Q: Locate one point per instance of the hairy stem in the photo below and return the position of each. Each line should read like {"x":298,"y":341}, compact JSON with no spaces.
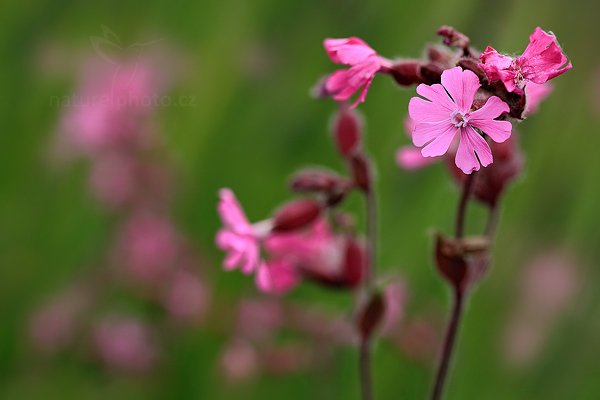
{"x":366,"y":385}
{"x":449,"y":344}
{"x":461,"y":213}
{"x":492,"y":222}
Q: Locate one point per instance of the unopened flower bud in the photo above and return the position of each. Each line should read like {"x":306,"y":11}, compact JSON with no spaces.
{"x":454,"y":38}
{"x":440,"y":55}
{"x":431,"y":73}
{"x":370,"y":315}
{"x":354,"y":268}
{"x":333,"y":186}
{"x":296,"y":215}
{"x":347,"y":128}
{"x":462,"y":262}
{"x":407,"y":72}
{"x":474,"y":66}
{"x":361,"y":172}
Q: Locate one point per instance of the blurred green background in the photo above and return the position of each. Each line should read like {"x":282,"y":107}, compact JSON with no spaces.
{"x":250,"y":65}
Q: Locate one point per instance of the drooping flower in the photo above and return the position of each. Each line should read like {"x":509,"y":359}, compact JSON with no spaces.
{"x":364,"y":64}
{"x":237,"y":237}
{"x":277,"y":277}
{"x":448,"y":113}
{"x":541,"y":61}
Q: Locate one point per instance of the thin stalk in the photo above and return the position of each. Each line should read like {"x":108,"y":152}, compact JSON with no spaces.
{"x":449,"y":344}
{"x":368,"y":282}
{"x":492,"y":222}
{"x":461,"y":213}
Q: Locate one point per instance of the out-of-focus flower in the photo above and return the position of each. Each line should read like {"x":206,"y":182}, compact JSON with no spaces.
{"x":53,"y":327}
{"x":448,"y":113}
{"x":125,"y":344}
{"x":237,"y":237}
{"x":548,"y":287}
{"x":364,"y":64}
{"x":396,"y":297}
{"x":186,"y":297}
{"x":148,"y":246}
{"x":534,"y":95}
{"x":410,"y":157}
{"x":240,"y":361}
{"x":108,"y":112}
{"x":541,"y":61}
{"x":277,"y":277}
{"x":258,"y":319}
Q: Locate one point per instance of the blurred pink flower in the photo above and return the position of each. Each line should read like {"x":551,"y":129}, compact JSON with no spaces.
{"x":277,"y":277}
{"x":534,"y":95}
{"x":410,"y":157}
{"x":541,"y":61}
{"x":148,"y":246}
{"x":53,"y":327}
{"x":125,"y":344}
{"x":396,"y":297}
{"x":259,"y":319}
{"x":549,"y":284}
{"x":448,"y":113}
{"x":237,"y":237}
{"x":113,"y":180}
{"x":108,"y":111}
{"x":240,"y":361}
{"x":186,"y":297}
{"x":364,"y":64}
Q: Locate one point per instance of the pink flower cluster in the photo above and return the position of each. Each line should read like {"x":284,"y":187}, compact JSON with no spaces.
{"x":130,"y":177}
{"x":312,"y":252}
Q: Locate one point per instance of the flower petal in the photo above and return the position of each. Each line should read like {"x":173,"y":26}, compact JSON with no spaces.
{"x":425,"y":111}
{"x":439,"y":146}
{"x":410,"y":158}
{"x":483,"y":119}
{"x":438,"y":95}
{"x":461,"y":85}
{"x":425,"y":132}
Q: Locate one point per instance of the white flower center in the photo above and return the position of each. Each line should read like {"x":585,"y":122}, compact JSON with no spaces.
{"x":459,"y":119}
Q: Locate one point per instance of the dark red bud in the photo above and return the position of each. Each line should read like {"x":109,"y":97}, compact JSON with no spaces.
{"x":431,"y":73}
{"x":407,"y":72}
{"x":296,"y":215}
{"x":334,"y":187}
{"x":347,"y":128}
{"x":354,"y":268}
{"x":370,"y":315}
{"x":461,"y":261}
{"x":454,"y":38}
{"x":439,"y":55}
{"x":474,"y":66}
{"x":361,"y":172}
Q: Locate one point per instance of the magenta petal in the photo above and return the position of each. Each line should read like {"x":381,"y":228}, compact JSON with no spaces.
{"x":348,"y":51}
{"x":483,"y":119}
{"x":426,"y":132}
{"x":438,"y":95}
{"x":425,"y":111}
{"x":465,"y":156}
{"x":276,"y":277}
{"x":439,"y":146}
{"x":480,"y":146}
{"x":461,"y":85}
{"x":410,"y":158}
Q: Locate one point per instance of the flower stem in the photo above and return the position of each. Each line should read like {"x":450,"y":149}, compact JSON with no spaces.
{"x":492,"y":222}
{"x":449,"y":344}
{"x":462,"y":205}
{"x":366,"y":385}
{"x":368,"y":282}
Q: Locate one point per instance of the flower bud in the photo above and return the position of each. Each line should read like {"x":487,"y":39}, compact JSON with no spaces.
{"x":440,"y":55}
{"x":370,"y":315}
{"x":473,"y":66}
{"x":361,"y":172}
{"x":333,"y":186}
{"x":407,"y":72}
{"x":354,"y":268}
{"x":347,"y":129}
{"x":431,"y":73}
{"x":296,"y":215}
{"x":462,"y":262}
{"x":454,"y":38}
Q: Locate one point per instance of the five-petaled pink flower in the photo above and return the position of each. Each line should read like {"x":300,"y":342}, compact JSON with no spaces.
{"x":541,"y":61}
{"x":364,"y":64}
{"x":448,"y":113}
{"x":237,"y":237}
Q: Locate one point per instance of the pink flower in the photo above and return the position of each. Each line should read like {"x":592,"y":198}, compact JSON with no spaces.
{"x":237,"y":237}
{"x":277,"y":277}
{"x":409,"y":157}
{"x":448,"y":113}
{"x":534,"y":95}
{"x":541,"y":61}
{"x":364,"y":64}
{"x":126,"y":344}
{"x":186,"y":298}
